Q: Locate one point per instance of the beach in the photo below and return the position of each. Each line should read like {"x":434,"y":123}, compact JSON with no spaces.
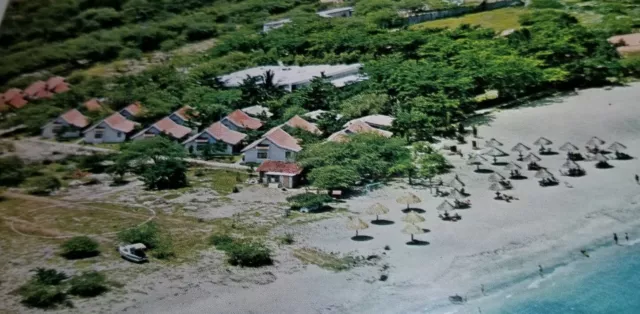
{"x":495,"y":244}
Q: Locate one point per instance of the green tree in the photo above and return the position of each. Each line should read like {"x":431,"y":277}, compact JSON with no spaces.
{"x":333,"y":177}
{"x":11,"y":171}
{"x":158,"y":161}
{"x":364,"y":104}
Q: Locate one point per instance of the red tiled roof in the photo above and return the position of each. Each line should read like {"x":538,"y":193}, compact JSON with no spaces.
{"x":93,"y":104}
{"x":43,"y":94}
{"x":118,"y":122}
{"x":35,"y":88}
{"x":241,"y":119}
{"x":75,"y":118}
{"x":278,"y":137}
{"x":16,"y":102}
{"x":134,"y":109}
{"x":183,"y":113}
{"x":54,"y":81}
{"x":12,"y":92}
{"x":61,"y":88}
{"x":168,"y":126}
{"x":298,"y":122}
{"x":220,"y":132}
{"x":280,"y":167}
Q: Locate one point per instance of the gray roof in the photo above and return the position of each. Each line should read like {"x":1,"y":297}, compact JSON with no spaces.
{"x":289,"y":75}
{"x":336,"y":10}
{"x":278,"y":22}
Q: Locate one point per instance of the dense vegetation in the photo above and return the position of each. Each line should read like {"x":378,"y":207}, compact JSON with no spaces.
{"x":49,"y":288}
{"x":80,"y":247}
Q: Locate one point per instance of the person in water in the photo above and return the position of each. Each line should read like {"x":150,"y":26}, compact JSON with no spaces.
{"x":584,"y":252}
{"x":615,"y":237}
{"x":626,"y":236}
{"x":540,"y":271}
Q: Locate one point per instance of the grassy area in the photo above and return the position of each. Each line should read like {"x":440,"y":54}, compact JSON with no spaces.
{"x":324,"y":260}
{"x":499,"y":20}
{"x":220,"y":180}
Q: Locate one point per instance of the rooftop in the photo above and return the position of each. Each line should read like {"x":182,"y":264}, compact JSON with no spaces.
{"x":134,"y":109}
{"x":92,"y":104}
{"x":374,"y":120}
{"x":278,"y":137}
{"x":120,"y":123}
{"x":278,"y":22}
{"x":335,"y":10}
{"x":75,"y":118}
{"x":243,"y":120}
{"x":258,"y":110}
{"x":221,"y":133}
{"x":298,"y":122}
{"x":279,"y":167}
{"x":290,"y":75}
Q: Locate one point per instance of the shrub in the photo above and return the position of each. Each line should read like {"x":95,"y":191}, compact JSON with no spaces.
{"x":43,"y":185}
{"x":309,"y":200}
{"x":221,"y":241}
{"x":287,"y":238}
{"x":88,"y":284}
{"x":164,"y":250}
{"x":11,"y":171}
{"x":80,"y":247}
{"x":546,"y":4}
{"x":248,"y":254}
{"x":47,"y":276}
{"x":41,"y":296}
{"x":146,"y":234}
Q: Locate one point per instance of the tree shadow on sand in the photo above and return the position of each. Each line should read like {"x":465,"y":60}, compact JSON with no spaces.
{"x":382,"y":222}
{"x":412,"y":209}
{"x":362,"y":238}
{"x":418,"y":243}
{"x":482,"y":170}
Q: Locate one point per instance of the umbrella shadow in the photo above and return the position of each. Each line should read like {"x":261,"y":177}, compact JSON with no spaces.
{"x":518,"y":177}
{"x":418,"y":243}
{"x":425,"y":230}
{"x":412,"y":209}
{"x":624,"y":157}
{"x":548,"y":153}
{"x":500,"y":163}
{"x":604,"y":166}
{"x":382,"y":222}
{"x":362,"y":238}
{"x":482,"y":170}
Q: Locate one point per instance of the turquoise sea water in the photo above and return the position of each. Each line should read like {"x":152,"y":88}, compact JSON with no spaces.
{"x":608,"y":282}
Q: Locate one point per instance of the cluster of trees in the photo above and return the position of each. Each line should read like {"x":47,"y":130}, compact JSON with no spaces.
{"x":49,"y":288}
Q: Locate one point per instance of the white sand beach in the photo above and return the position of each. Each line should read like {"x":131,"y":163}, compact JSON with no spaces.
{"x":494,"y":242}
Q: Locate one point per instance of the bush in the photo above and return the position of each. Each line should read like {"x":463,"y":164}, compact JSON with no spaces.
{"x":221,"y":242}
{"x":164,"y":250}
{"x":309,"y":200}
{"x":146,"y":234}
{"x":88,"y":284}
{"x":47,"y":276}
{"x":80,"y":247}
{"x":546,"y":4}
{"x":287,"y":238}
{"x":41,"y":296}
{"x":11,"y":171}
{"x":248,"y":254}
{"x":43,"y":185}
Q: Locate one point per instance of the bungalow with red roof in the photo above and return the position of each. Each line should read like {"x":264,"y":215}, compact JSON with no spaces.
{"x":241,"y":121}
{"x":68,"y":125}
{"x":300,"y":123}
{"x":113,"y":129}
{"x":13,"y":98}
{"x":131,"y":111}
{"x":182,"y":115}
{"x":56,"y":84}
{"x":165,"y":126}
{"x":274,"y":145}
{"x":356,"y":126}
{"x":92,"y":105}
{"x":37,"y":90}
{"x":216,"y":133}
{"x":287,"y":174}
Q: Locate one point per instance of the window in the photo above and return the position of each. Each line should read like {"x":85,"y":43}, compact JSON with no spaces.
{"x":289,"y":155}
{"x":98,"y":134}
{"x":119,"y":134}
{"x":262,"y":155}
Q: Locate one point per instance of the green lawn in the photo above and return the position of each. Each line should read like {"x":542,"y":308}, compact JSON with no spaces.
{"x":499,"y":20}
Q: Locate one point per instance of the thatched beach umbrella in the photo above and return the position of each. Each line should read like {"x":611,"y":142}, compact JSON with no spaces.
{"x":456,"y":183}
{"x":455,"y":194}
{"x":408,"y":199}
{"x":542,"y":141}
{"x":511,"y":166}
{"x":412,"y":229}
{"x":543,"y":174}
{"x":497,"y":187}
{"x":476,"y":160}
{"x":531,"y":158}
{"x":445,"y":206}
{"x":377,"y":209}
{"x":601,"y":158}
{"x":595,"y":142}
{"x":616,"y":147}
{"x":413,"y":218}
{"x":570,"y":164}
{"x":568,"y":147}
{"x":492,"y":143}
{"x":521,"y":149}
{"x":355,"y":223}
{"x":495,"y":152}
{"x":496,"y":177}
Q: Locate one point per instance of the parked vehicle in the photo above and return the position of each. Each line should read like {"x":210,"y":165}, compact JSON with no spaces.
{"x":133,"y":252}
